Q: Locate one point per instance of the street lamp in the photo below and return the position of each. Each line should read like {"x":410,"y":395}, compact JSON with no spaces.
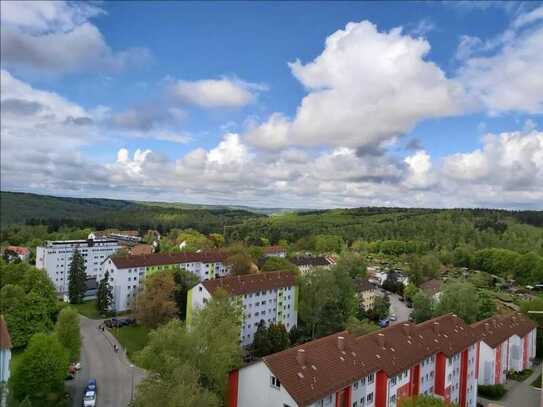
{"x":132,"y":383}
{"x":540,"y":391}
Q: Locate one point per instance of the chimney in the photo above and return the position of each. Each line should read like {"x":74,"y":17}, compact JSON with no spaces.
{"x":381,"y":340}
{"x":341,"y":343}
{"x":406,"y":329}
{"x":300,"y":357}
{"x":487,"y":326}
{"x":436,"y":328}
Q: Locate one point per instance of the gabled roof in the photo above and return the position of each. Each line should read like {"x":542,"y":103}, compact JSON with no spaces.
{"x":331,"y":363}
{"x":250,"y":283}
{"x":431,"y":287}
{"x":5,"y":339}
{"x":498,"y":328}
{"x":363,"y":284}
{"x":163,"y":259}
{"x":20,"y":250}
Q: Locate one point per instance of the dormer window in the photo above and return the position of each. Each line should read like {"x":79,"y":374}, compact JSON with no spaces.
{"x":275,"y":383}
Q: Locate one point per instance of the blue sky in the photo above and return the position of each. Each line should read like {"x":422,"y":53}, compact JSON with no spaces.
{"x":205,"y":102}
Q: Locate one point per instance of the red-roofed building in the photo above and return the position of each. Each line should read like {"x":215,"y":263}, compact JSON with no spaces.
{"x":508,"y":342}
{"x":20,"y":252}
{"x":438,"y":357}
{"x":271,"y":297}
{"x":275,"y":251}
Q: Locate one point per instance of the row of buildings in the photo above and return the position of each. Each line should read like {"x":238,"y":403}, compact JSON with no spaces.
{"x":442,"y":357}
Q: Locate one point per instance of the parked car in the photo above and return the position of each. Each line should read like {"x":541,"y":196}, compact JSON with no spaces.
{"x":89,"y":399}
{"x":384,"y":323}
{"x":91,"y":385}
{"x":113,"y":323}
{"x":392,"y":317}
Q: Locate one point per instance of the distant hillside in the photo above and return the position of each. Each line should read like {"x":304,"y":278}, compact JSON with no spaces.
{"x":25,"y":208}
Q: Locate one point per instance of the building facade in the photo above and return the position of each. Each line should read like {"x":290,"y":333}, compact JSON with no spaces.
{"x":275,"y":251}
{"x":127,"y":273}
{"x":437,"y":357}
{"x":271,"y":297}
{"x":366,"y":293}
{"x":307,"y":264}
{"x":55,"y":258}
{"x":508,"y":342}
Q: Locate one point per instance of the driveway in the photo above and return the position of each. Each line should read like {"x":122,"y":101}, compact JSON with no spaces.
{"x":520,"y":394}
{"x":115,"y":378}
{"x":398,"y":308}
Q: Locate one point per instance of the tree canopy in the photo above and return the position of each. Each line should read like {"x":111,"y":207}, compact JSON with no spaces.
{"x":155,"y":304}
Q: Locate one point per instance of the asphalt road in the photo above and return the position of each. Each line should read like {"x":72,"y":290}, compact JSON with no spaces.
{"x":115,"y":379}
{"x":398,"y":308}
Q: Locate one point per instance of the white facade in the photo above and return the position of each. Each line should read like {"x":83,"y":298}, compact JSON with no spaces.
{"x":452,"y":377}
{"x":56,"y":256}
{"x":271,"y":306}
{"x":363,"y":392}
{"x":471,"y":381}
{"x":126,"y":282}
{"x":427,"y":375}
{"x":259,"y":387}
{"x":5,"y":360}
{"x":394,"y":384}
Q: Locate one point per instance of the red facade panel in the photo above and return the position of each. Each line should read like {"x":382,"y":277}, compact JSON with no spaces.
{"x":441,"y":364}
{"x":498,"y":364}
{"x":381,"y":385}
{"x":525,"y":352}
{"x":233,"y":380}
{"x":414,"y":379}
{"x":463,"y":378}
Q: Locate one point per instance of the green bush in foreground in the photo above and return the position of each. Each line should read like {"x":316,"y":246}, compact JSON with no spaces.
{"x":494,"y":391}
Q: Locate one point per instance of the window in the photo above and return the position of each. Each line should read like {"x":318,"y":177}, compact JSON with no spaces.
{"x":355,"y":404}
{"x":275,"y":383}
{"x":369,"y":398}
{"x":355,"y":386}
{"x":370,"y":378}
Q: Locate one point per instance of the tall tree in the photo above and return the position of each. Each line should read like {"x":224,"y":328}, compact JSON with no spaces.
{"x":460,"y":298}
{"x":352,"y":263}
{"x":381,"y":308}
{"x":68,"y":333}
{"x":42,"y":369}
{"x":155,"y":304}
{"x":104,"y":295}
{"x":422,"y":307}
{"x":184,"y":281}
{"x":487,"y":305}
{"x":361,"y":327}
{"x":178,"y":389}
{"x":261,"y":345}
{"x":77,"y":278}
{"x":274,"y":263}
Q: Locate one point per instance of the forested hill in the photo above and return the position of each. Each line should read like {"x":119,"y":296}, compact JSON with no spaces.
{"x":32,"y":209}
{"x":430,"y":228}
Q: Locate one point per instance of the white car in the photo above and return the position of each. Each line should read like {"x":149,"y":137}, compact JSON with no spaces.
{"x":89,"y":399}
{"x":392,"y":317}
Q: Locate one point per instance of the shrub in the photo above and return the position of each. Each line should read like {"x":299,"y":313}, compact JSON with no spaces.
{"x":494,"y":392}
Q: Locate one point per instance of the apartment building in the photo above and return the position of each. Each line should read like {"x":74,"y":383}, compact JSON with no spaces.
{"x":307,"y":264}
{"x":126,"y":273}
{"x":366,"y":293}
{"x":55,"y":258}
{"x":437,"y":357}
{"x":508,"y":342}
{"x":271,"y":297}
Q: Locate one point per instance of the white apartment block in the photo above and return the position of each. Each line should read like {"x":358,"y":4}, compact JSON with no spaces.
{"x":127,"y":273}
{"x":270,"y":297}
{"x":55,"y":258}
{"x":507,"y":343}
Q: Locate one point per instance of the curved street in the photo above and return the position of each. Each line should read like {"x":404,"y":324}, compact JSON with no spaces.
{"x":116,"y":379}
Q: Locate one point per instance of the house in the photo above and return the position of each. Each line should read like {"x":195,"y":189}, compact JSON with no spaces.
{"x":140,"y":249}
{"x":126,"y":273}
{"x":271,"y":297}
{"x":5,"y":352}
{"x":55,"y":257}
{"x":432,"y":288}
{"x":508,"y":342}
{"x":366,"y":293}
{"x":12,"y":253}
{"x":437,"y":357}
{"x":309,"y":263}
{"x":275,"y":251}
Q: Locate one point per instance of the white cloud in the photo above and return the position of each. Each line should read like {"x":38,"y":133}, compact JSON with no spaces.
{"x":510,"y":79}
{"x":420,"y":173}
{"x":57,"y":38}
{"x":213,"y":93}
{"x":366,"y":88}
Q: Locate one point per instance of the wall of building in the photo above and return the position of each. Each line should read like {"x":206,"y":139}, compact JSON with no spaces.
{"x":255,"y":388}
{"x":427,"y":375}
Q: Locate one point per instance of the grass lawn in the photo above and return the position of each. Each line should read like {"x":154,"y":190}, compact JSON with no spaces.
{"x":537,"y":382}
{"x":87,"y":309}
{"x":132,"y":338}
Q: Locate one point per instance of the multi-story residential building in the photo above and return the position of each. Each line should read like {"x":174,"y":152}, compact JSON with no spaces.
{"x":366,"y":293}
{"x":275,"y":251}
{"x":507,"y":343}
{"x":271,"y":297}
{"x":56,"y":256}
{"x":309,"y":263}
{"x":126,"y":273}
{"x":438,"y":357}
{"x":5,"y":356}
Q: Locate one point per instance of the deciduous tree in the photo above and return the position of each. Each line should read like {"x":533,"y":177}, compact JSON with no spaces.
{"x":423,"y":307}
{"x":155,"y":304}
{"x":460,"y":298}
{"x":67,"y":331}
{"x":274,"y":263}
{"x":352,"y":263}
{"x":184,"y":281}
{"x":42,"y":369}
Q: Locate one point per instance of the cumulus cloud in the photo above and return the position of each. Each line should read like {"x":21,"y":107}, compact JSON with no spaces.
{"x":213,"y":93}
{"x":57,"y":38}
{"x":366,"y":87}
{"x":509,"y":79}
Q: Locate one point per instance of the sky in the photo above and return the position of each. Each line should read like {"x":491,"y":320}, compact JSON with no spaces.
{"x":275,"y":104}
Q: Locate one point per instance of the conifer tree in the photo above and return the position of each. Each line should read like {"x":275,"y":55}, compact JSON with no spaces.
{"x":104,"y":295}
{"x":78,"y":278}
